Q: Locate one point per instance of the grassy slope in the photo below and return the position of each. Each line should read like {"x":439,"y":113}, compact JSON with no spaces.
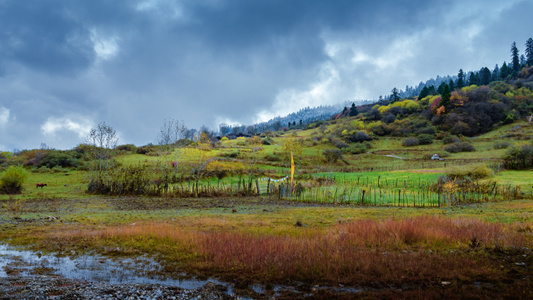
{"x":25,"y":218}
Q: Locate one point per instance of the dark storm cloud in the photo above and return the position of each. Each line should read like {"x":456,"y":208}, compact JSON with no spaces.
{"x":67,"y":65}
{"x":36,"y":35}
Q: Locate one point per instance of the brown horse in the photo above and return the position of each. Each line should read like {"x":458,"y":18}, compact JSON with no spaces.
{"x":40,"y":185}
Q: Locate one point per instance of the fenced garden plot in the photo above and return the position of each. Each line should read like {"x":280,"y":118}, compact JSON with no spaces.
{"x":398,"y":189}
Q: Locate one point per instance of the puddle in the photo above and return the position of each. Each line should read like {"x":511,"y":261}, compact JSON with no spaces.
{"x":92,"y":268}
{"x":97,"y":268}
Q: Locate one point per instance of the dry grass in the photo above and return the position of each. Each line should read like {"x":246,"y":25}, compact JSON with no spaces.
{"x":420,"y":250}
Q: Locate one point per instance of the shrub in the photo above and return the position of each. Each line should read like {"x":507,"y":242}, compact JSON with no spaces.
{"x":378,"y":128}
{"x":129,"y":180}
{"x":332,"y":155}
{"x":460,"y":147}
{"x":232,"y":154}
{"x":144,"y":150}
{"x":63,"y":159}
{"x":12,"y":180}
{"x":425,"y":139}
{"x":450,"y":140}
{"x":477,"y":171}
{"x":501,"y":145}
{"x":519,"y":157}
{"x":409,"y":142}
{"x":358,"y":148}
{"x":127,"y":147}
{"x":272,"y":157}
{"x":267,"y":141}
{"x":338,"y":143}
{"x":359,"y":137}
{"x":224,"y":138}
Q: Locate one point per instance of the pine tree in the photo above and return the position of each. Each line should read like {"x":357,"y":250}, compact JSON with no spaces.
{"x":445,"y":96}
{"x":504,"y":71}
{"x":440,"y":89}
{"x":395,"y":96}
{"x":353,"y":110}
{"x":515,"y":58}
{"x":461,"y":80}
{"x":452,"y":85}
{"x":484,"y":76}
{"x":423,"y":93}
{"x":529,"y":52}
{"x":495,"y":73}
{"x":473,"y":79}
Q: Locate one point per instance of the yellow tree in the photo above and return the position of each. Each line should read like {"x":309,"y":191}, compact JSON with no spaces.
{"x":255,"y":147}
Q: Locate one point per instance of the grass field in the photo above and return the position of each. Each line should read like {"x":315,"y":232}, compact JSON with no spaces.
{"x":476,"y":249}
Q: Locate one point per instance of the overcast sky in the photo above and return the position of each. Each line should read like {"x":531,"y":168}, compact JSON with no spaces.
{"x":67,"y":65}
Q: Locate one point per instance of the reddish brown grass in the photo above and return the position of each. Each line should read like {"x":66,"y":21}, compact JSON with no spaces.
{"x":421,"y":250}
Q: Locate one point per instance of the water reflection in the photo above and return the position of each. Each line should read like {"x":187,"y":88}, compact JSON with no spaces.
{"x":98,"y":268}
{"x":92,"y":268}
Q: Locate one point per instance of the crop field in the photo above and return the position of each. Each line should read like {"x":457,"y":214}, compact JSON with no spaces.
{"x":379,"y":224}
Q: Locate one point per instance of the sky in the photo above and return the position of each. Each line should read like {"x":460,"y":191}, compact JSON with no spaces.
{"x":68,"y":65}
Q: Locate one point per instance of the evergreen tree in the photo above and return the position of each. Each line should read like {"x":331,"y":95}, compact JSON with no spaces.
{"x":485,"y":76}
{"x":423,"y":93}
{"x":461,"y":80}
{"x":452,"y":85}
{"x":440,"y":89}
{"x":395,"y":96}
{"x":529,"y":52}
{"x":505,"y":71}
{"x":353,"y":110}
{"x":515,"y":58}
{"x":473,"y":79}
{"x":445,"y":96}
{"x":495,"y":73}
{"x":432,"y":90}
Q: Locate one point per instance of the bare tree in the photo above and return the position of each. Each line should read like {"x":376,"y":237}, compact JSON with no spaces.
{"x":168,"y":139}
{"x":102,"y":140}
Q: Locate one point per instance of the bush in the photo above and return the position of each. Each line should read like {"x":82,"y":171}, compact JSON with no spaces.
{"x":338,"y":143}
{"x":519,"y":157}
{"x":272,"y":157}
{"x":357,"y":148}
{"x":474,"y":172}
{"x":127,"y":147}
{"x":232,"y":154}
{"x":359,"y":137}
{"x":12,"y":180}
{"x":450,"y":140}
{"x":63,"y":159}
{"x":267,"y":141}
{"x":501,"y":145}
{"x":332,"y":155}
{"x":425,"y":139}
{"x":460,"y":147}
{"x":144,"y":150}
{"x":409,"y":142}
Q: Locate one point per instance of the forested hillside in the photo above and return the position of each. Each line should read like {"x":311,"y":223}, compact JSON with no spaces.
{"x":467,"y":105}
